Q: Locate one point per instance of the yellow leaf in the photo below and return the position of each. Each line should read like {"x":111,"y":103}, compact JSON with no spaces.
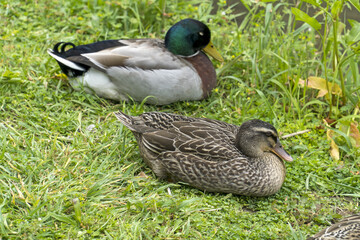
{"x":320,"y":84}
{"x":334,"y":149}
{"x":355,"y":134}
{"x":322,"y":93}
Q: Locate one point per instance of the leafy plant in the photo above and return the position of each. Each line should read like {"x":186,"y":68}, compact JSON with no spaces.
{"x":338,"y":77}
{"x":338,"y":46}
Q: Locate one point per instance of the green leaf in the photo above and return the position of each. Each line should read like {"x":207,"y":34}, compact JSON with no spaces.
{"x":188,"y":202}
{"x":63,"y":218}
{"x":356,"y":4}
{"x":336,"y":9}
{"x":312,"y":2}
{"x":354,"y":34}
{"x":162,"y":5}
{"x":77,"y":210}
{"x":302,"y":16}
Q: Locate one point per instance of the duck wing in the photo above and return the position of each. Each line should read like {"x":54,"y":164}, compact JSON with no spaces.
{"x":162,"y":120}
{"x":72,"y":62}
{"x":196,"y":138}
{"x":145,"y":54}
{"x":162,"y":132}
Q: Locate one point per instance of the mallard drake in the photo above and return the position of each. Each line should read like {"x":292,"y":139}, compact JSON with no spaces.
{"x":169,"y":71}
{"x":211,"y":155}
{"x":348,"y":228}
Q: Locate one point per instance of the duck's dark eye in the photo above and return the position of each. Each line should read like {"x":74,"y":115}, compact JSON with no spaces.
{"x":268,"y":134}
{"x":201,"y":33}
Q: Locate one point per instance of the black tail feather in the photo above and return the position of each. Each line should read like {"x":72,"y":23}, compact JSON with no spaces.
{"x":63,"y":46}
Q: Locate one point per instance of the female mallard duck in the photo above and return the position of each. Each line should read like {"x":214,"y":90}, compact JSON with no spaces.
{"x":348,"y":228}
{"x":211,"y":155}
{"x":170,"y":71}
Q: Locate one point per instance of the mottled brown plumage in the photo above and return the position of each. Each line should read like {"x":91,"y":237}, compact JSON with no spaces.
{"x":346,"y":229}
{"x":211,"y":155}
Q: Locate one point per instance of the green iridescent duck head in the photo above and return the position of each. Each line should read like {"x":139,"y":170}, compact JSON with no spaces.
{"x":189,"y":36}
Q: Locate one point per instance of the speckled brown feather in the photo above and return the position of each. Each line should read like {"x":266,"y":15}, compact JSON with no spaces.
{"x":346,"y":229}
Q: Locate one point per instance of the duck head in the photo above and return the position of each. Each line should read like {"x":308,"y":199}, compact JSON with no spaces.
{"x":189,"y":36}
{"x":256,"y":137}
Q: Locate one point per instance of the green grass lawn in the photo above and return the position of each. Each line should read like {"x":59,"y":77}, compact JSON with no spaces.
{"x":70,"y":170}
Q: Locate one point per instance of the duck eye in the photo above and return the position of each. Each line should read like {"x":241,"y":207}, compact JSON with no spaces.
{"x":268,"y":134}
{"x":201,"y":33}
{"x":271,"y":135}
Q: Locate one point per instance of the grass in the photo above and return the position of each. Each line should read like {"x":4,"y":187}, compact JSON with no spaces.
{"x":70,"y":170}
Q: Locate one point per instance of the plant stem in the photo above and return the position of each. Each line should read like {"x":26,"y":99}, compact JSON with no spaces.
{"x":325,"y":65}
{"x":336,"y":68}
